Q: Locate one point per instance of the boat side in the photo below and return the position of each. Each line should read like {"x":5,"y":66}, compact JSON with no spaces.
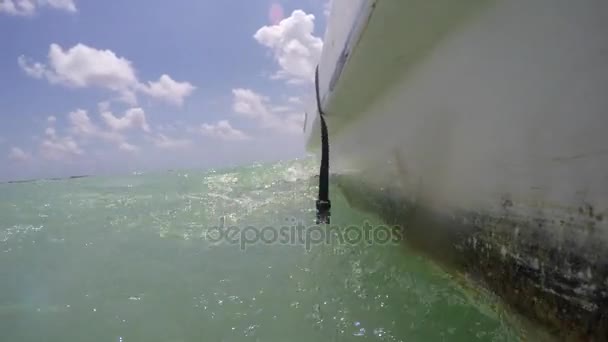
{"x":480,"y":126}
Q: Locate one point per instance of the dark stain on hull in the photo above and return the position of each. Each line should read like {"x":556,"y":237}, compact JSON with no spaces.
{"x":558,"y":283}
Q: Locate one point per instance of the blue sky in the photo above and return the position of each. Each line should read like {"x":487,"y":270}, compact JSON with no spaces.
{"x":103,"y":87}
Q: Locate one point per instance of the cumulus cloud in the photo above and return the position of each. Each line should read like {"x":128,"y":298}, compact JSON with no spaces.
{"x":50,"y":132}
{"x":133,"y":118}
{"x":296,"y":50}
{"x":82,"y":127}
{"x":17,"y":154}
{"x":32,"y":69}
{"x":55,"y":147}
{"x":30,"y":7}
{"x":250,"y":104}
{"x":82,"y":66}
{"x":168,"y":90}
{"x":64,"y":146}
{"x":59,"y":148}
{"x":294,"y":46}
{"x":222,"y":130}
{"x":295,"y":100}
{"x":81,"y":124}
{"x":257,"y":107}
{"x":281,"y":109}
{"x":125,"y":146}
{"x":67,"y":5}
{"x":165,"y":142}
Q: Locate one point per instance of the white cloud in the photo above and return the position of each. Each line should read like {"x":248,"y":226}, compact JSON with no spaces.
{"x":257,"y":107}
{"x":82,"y":126}
{"x":294,"y":100}
{"x":59,"y":148}
{"x":55,"y":147}
{"x":222,"y":130}
{"x":82,"y":66}
{"x":33,"y":69}
{"x":80,"y":123}
{"x":281,"y":109}
{"x":134,"y":118}
{"x":168,"y":90}
{"x":165,"y":142}
{"x":250,"y":104}
{"x":103,"y":106}
{"x":19,"y":155}
{"x":29,"y":7}
{"x":125,"y":146}
{"x":50,"y":132}
{"x":17,"y":7}
{"x":67,"y":5}
{"x":171,"y":127}
{"x":295,"y":48}
{"x":81,"y":130}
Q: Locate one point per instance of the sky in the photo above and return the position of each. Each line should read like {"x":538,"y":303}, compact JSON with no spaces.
{"x":114,"y":86}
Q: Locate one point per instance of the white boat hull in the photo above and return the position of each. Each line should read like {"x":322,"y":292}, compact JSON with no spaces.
{"x":489,"y":117}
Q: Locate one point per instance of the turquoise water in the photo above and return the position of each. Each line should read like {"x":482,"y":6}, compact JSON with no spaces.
{"x":135,"y":258}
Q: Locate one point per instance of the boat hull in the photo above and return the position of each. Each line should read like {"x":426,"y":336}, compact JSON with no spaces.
{"x":480,"y":127}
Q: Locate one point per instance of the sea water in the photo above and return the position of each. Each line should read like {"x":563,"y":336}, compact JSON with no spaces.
{"x":144,"y":257}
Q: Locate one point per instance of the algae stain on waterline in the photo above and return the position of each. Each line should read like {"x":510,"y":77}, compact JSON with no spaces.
{"x":126,"y":259}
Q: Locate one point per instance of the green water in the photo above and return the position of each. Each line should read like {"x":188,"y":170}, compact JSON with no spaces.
{"x":131,"y":259}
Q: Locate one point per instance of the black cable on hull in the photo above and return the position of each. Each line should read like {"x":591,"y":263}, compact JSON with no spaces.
{"x":323,"y":202}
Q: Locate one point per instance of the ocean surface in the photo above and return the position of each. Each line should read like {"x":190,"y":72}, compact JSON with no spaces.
{"x":146,"y":257}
